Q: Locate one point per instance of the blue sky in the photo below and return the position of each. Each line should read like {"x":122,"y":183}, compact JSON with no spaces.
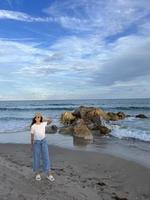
{"x":67,"y":49}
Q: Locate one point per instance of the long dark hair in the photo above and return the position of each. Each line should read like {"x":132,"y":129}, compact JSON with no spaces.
{"x":34,"y":121}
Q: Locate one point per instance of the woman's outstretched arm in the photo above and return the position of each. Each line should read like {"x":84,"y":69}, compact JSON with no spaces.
{"x":48,"y":120}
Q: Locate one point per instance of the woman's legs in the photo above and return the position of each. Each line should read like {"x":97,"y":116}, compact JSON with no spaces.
{"x":36,"y":156}
{"x":45,"y":157}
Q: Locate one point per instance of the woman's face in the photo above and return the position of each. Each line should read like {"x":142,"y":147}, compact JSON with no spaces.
{"x":38,"y":117}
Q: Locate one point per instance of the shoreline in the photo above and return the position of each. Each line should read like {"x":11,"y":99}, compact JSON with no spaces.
{"x":130,"y":150}
{"x":79,"y":175}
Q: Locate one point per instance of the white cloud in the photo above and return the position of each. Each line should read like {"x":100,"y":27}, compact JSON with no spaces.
{"x":130,"y":59}
{"x":103,"y":17}
{"x":86,"y":65}
{"x":77,"y":57}
{"x":21,"y":16}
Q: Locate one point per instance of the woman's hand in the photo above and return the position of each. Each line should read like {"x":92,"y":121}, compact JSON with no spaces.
{"x":48,"y":120}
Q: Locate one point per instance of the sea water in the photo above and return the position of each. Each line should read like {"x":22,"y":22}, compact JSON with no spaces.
{"x":129,"y":137}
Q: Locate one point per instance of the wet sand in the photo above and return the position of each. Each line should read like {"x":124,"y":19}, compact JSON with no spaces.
{"x":79,"y":176}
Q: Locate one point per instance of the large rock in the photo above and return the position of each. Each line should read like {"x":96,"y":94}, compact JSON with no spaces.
{"x":81,"y":131}
{"x":95,"y":114}
{"x":78,"y":112}
{"x":116,"y":116}
{"x":67,"y":118}
{"x":51,"y":129}
{"x":112,"y":116}
{"x":91,"y":126}
{"x":88,"y":113}
{"x":142,"y":116}
{"x":94,"y":125}
{"x":66,"y":130}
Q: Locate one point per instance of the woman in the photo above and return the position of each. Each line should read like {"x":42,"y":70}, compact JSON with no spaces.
{"x":39,"y":146}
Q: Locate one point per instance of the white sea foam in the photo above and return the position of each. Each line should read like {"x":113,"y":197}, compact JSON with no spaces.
{"x":130,"y":133}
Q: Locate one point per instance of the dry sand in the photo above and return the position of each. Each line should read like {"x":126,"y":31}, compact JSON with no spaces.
{"x":79,"y":176}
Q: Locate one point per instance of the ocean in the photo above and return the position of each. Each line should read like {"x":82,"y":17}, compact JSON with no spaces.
{"x":129,"y":138}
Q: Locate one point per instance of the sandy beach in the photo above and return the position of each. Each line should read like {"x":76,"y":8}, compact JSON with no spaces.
{"x":79,"y":176}
{"x":78,"y":73}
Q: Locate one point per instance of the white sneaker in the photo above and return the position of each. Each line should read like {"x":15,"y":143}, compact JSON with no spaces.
{"x":38,"y":177}
{"x":51,"y":178}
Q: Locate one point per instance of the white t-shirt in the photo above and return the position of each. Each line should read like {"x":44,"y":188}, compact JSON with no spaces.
{"x":38,"y":130}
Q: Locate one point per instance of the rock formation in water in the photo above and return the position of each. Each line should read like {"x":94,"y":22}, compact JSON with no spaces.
{"x":84,"y":122}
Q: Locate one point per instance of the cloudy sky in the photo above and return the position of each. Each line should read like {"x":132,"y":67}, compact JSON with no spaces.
{"x":74,"y":49}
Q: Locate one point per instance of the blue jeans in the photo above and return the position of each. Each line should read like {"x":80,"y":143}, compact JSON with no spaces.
{"x":41,"y":153}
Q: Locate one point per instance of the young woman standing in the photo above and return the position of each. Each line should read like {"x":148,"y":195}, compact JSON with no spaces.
{"x":39,"y":147}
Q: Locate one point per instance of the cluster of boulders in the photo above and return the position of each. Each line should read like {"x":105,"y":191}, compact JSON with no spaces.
{"x":85,"y":121}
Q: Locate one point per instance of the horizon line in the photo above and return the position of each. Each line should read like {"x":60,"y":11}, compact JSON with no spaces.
{"x":73,"y":99}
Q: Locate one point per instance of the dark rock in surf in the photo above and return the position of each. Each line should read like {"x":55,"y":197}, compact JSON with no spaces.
{"x":121,"y":115}
{"x":142,"y":116}
{"x":113,"y":116}
{"x":51,"y":129}
{"x":104,"y":130}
